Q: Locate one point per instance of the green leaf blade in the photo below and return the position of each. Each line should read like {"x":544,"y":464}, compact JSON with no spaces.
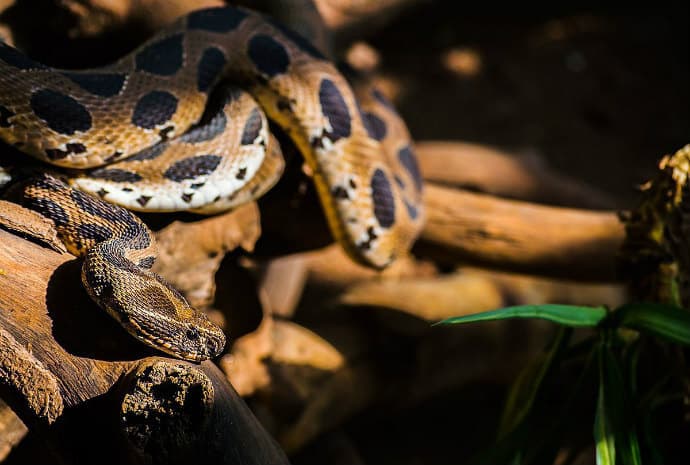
{"x":528,"y":384}
{"x":566,"y":315}
{"x":614,"y":426}
{"x":603,"y":435}
{"x":664,"y":321}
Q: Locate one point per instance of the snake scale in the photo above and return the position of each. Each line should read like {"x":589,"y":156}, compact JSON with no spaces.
{"x":181,"y":123}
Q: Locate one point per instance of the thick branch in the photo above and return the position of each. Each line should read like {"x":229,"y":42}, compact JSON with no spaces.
{"x":492,"y":171}
{"x":519,"y":236}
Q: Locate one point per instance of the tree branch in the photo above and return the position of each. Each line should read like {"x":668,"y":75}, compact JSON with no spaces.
{"x":492,"y":171}
{"x":519,"y":236}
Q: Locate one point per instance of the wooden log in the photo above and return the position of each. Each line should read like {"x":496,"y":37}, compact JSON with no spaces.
{"x":519,"y":236}
{"x":63,"y":362}
{"x":430,"y":299}
{"x":469,"y":228}
{"x":179,"y":413}
{"x":191,"y":252}
{"x":435,"y":298}
{"x":12,"y":430}
{"x":283,"y":280}
{"x":492,"y":171}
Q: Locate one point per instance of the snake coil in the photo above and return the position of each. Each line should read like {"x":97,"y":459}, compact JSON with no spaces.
{"x":144,"y":137}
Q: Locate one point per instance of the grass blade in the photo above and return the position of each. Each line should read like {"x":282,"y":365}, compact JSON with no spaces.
{"x":567,"y":315}
{"x":614,"y":426}
{"x":665,"y":321}
{"x":604,"y":433}
{"x":526,"y":387}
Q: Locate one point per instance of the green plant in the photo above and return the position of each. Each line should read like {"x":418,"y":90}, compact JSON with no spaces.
{"x":607,"y":379}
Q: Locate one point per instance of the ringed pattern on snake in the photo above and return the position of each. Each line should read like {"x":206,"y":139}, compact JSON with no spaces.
{"x":146,"y":119}
{"x":118,"y":251}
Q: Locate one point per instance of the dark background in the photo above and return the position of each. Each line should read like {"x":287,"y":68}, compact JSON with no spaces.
{"x":600,"y":93}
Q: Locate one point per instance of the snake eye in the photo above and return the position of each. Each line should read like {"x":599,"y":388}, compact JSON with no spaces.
{"x":193,"y":334}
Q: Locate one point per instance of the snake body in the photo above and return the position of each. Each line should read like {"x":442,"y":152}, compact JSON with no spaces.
{"x":118,"y":251}
{"x":146,"y":118}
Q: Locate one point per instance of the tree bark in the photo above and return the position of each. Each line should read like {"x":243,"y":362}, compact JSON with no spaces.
{"x":67,"y":370}
{"x":12,"y":430}
{"x":492,"y":171}
{"x":519,"y":236}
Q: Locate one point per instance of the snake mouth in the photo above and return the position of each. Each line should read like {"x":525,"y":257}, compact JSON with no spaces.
{"x":207,"y":344}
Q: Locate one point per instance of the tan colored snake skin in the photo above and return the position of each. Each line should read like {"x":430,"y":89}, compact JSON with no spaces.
{"x":142,"y":117}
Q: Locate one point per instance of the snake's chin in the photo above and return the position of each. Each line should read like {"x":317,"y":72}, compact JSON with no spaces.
{"x":198,"y":341}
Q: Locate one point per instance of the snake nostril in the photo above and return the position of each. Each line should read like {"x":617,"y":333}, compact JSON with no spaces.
{"x":193,"y":334}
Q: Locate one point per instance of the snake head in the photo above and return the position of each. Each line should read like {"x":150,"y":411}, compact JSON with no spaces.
{"x":193,"y":338}
{"x":174,"y":327}
{"x":151,"y":310}
{"x":163,"y":319}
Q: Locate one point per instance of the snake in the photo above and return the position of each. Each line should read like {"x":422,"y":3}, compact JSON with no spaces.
{"x":181,"y":123}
